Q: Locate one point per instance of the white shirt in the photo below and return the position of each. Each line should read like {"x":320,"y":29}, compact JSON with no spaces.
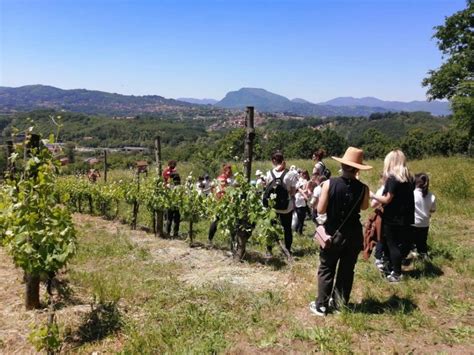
{"x":260,"y":183}
{"x":423,"y":208}
{"x":374,"y":203}
{"x":315,"y":196}
{"x":318,"y":168}
{"x":290,"y":180}
{"x":299,"y":198}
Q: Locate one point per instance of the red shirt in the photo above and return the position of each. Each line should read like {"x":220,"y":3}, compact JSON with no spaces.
{"x":167,"y":173}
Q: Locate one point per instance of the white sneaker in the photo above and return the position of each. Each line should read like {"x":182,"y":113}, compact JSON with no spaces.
{"x":380,"y":264}
{"x":319,"y":311}
{"x":393,"y":277}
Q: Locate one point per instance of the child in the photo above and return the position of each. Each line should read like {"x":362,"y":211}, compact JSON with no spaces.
{"x":313,"y":203}
{"x":425,"y":204}
{"x":301,"y":198}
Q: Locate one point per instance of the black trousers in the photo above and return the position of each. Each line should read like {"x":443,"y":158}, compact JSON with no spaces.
{"x":301,"y":213}
{"x":338,"y":284}
{"x":285,"y":220}
{"x":213,"y":229}
{"x":396,"y":239}
{"x":173,"y":217}
{"x":419,"y":237}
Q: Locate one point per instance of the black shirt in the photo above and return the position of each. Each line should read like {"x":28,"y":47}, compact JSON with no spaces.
{"x":344,"y":194}
{"x":401,"y":210}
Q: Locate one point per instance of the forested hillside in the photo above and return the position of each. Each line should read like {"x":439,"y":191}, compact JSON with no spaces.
{"x":418,"y":133}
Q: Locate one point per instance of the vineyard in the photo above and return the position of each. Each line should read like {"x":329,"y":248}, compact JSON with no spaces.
{"x":143,"y":198}
{"x":128,"y":287}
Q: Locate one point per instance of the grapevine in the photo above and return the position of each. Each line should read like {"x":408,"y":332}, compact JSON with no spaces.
{"x":36,"y":231}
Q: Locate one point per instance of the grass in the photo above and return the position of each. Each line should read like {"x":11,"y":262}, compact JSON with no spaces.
{"x":141,"y":306}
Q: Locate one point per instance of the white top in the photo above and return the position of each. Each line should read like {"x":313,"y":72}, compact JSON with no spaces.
{"x":318,"y":168}
{"x":315,"y":196}
{"x":260,"y":183}
{"x":423,"y":208}
{"x":300,"y":201}
{"x":290,"y":180}
{"x":374,"y":203}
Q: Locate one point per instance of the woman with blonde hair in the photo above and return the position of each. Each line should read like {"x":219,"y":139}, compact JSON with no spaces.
{"x":399,"y":208}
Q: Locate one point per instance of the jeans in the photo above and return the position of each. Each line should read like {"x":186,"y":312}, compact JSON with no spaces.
{"x":301,"y":213}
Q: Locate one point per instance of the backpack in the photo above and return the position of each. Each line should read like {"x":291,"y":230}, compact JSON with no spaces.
{"x":278,"y":188}
{"x":326,"y":172}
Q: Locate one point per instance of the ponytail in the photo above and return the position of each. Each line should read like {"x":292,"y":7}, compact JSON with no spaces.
{"x":422,"y":181}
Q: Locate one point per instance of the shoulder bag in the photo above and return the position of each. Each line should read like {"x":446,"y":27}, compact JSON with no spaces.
{"x":325,"y":240}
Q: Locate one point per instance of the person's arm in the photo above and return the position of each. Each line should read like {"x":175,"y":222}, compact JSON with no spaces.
{"x":384,"y":200}
{"x":433,"y":205}
{"x":365,"y":200}
{"x":324,"y":198}
{"x":374,"y":203}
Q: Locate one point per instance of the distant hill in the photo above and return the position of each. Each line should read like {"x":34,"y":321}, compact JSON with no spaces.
{"x":301,"y":101}
{"x":26,"y":98}
{"x":32,"y":97}
{"x":198,"y":101}
{"x":437,"y":108}
{"x":266,"y":101}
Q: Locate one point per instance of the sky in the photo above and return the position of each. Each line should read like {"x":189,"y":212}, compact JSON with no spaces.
{"x":311,"y":49}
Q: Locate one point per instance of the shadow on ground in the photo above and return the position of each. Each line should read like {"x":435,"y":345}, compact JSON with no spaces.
{"x":394,"y":304}
{"x":426,"y":270}
{"x":66,"y":296}
{"x":103,"y":319}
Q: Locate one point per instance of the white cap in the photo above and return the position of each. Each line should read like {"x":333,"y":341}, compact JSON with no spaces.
{"x":258,"y":173}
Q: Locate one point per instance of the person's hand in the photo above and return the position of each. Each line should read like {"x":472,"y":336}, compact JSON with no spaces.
{"x":371,"y":194}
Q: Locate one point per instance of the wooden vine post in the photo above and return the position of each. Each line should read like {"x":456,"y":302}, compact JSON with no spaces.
{"x":244,"y":228}
{"x":32,"y":280}
{"x":158,"y":215}
{"x":136,"y":205}
{"x":249,"y":138}
{"x":105,"y":165}
{"x":10,"y":164}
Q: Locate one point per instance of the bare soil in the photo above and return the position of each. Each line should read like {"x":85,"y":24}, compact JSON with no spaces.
{"x":198,"y":266}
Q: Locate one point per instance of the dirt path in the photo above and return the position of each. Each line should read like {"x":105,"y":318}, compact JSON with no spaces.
{"x":198,"y":265}
{"x":14,"y":320}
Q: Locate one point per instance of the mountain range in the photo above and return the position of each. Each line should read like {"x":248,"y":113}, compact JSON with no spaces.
{"x":30,"y":97}
{"x":437,"y":108}
{"x":198,"y":101}
{"x":347,"y":106}
{"x":27,"y":98}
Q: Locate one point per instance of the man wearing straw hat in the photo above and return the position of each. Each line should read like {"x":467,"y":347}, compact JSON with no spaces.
{"x":341,"y":200}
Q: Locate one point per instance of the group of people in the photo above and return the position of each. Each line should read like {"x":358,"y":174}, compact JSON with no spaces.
{"x":403,"y":201}
{"x":405,"y":204}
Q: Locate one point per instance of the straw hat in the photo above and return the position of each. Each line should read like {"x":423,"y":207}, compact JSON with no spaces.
{"x":353,"y":157}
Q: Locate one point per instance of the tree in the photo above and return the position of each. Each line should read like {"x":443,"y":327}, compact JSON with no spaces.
{"x":332,"y":142}
{"x":454,"y":80}
{"x":375,"y":144}
{"x":70,"y":153}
